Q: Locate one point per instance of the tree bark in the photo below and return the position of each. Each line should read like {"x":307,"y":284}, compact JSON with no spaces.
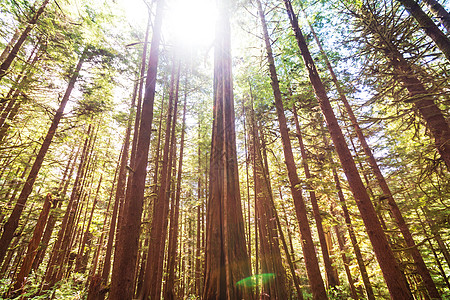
{"x":354,"y":241}
{"x":333,"y":279}
{"x":55,"y":260}
{"x":270,"y":255}
{"x":18,"y":44}
{"x":122,"y":280}
{"x":13,"y":221}
{"x":54,"y":215}
{"x":439,"y":12}
{"x":226,"y":262}
{"x":169,"y":293}
{"x":392,"y":274}
{"x":161,"y":205}
{"x":422,"y":100}
{"x":312,"y":264}
{"x":33,"y":244}
{"x":420,"y":264}
{"x":431,"y":29}
{"x":345,"y":261}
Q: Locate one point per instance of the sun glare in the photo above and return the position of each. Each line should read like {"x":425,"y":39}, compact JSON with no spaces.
{"x":191,"y":22}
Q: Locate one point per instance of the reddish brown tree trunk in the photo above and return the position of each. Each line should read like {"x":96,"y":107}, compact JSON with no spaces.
{"x":13,"y":221}
{"x":420,"y":264}
{"x":270,"y":255}
{"x":392,"y":274}
{"x":346,"y":262}
{"x":18,"y":44}
{"x":54,"y":214}
{"x":33,"y":244}
{"x":122,"y":281}
{"x":422,"y":100}
{"x":226,"y":261}
{"x":161,"y":206}
{"x":312,"y":264}
{"x":69,"y":216}
{"x":431,"y":29}
{"x":10,"y":110}
{"x":354,"y":241}
{"x":81,"y":262}
{"x":333,"y":279}
{"x":169,"y":293}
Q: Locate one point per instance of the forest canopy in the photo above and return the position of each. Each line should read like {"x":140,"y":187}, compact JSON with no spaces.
{"x":224,"y":149}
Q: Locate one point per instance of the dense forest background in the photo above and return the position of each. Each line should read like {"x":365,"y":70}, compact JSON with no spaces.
{"x":229,"y":149}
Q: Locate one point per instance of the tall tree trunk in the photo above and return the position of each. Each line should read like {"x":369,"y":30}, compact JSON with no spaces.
{"x":158,"y":230}
{"x":431,"y":29}
{"x":226,"y":262}
{"x":11,"y":44}
{"x":118,"y":201}
{"x":345,"y":259}
{"x":169,"y":293}
{"x":420,"y":264}
{"x":95,"y":279}
{"x":15,"y":49}
{"x":312,"y":264}
{"x":392,"y":274}
{"x":122,"y":280}
{"x":10,"y":110}
{"x":420,"y":97}
{"x":440,"y":13}
{"x":270,"y":255}
{"x":13,"y":221}
{"x":333,"y":279}
{"x":69,"y":216}
{"x":81,"y":262}
{"x":354,"y":241}
{"x":33,"y":244}
{"x":54,"y":214}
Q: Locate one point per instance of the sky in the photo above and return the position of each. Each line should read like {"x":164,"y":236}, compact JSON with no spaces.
{"x":185,"y":21}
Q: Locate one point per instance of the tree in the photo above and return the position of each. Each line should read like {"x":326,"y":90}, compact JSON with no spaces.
{"x":431,"y":29}
{"x":122,"y":280}
{"x":312,"y":264}
{"x":226,"y":262}
{"x":391,"y":271}
{"x":13,"y":221}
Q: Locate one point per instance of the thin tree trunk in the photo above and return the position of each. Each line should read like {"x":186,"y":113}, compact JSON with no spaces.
{"x":68,"y":218}
{"x":346,"y":262}
{"x":249,"y":232}
{"x":392,"y":274}
{"x":81,"y":260}
{"x":10,"y":110}
{"x":13,"y":221}
{"x":10,"y":45}
{"x":431,"y":29}
{"x":434,"y":119}
{"x":440,"y":13}
{"x":122,"y":281}
{"x":420,"y":264}
{"x":266,"y":217}
{"x":169,"y":293}
{"x":333,"y":279}
{"x":312,"y":264}
{"x":161,"y":206}
{"x":33,"y":244}
{"x":118,"y":199}
{"x":15,"y":49}
{"x":54,"y":214}
{"x":354,"y":241}
{"x":95,"y":279}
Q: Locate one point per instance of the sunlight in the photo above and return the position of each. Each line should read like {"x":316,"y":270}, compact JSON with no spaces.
{"x":191,"y":22}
